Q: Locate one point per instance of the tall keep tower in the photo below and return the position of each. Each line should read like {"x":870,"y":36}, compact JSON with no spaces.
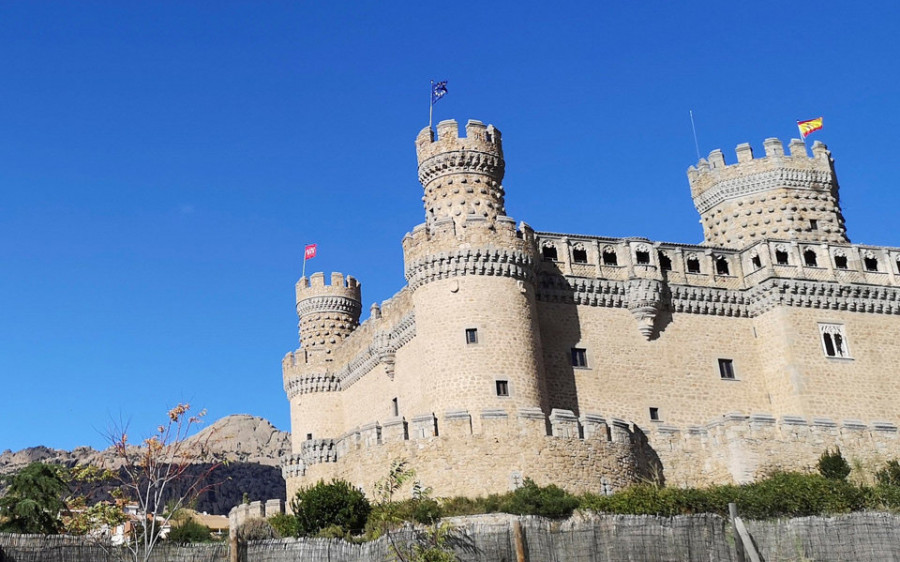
{"x":472,"y":275}
{"x":788,"y":197}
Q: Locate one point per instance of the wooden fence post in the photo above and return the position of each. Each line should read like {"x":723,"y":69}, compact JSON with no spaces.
{"x":519,"y":538}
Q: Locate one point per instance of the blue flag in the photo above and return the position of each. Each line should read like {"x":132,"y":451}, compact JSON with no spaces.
{"x":438,"y":89}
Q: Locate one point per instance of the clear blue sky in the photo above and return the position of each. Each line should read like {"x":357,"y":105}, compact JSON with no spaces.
{"x":162,"y":164}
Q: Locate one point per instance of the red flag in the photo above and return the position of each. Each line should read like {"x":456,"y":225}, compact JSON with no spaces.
{"x":310,"y":252}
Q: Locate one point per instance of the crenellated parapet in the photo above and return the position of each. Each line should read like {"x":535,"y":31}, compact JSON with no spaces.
{"x":599,"y":453}
{"x":328,"y":312}
{"x":788,"y":196}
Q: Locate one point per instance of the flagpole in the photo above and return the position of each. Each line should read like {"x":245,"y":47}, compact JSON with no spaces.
{"x":304,"y":261}
{"x":430,"y":104}
{"x":693,"y":128}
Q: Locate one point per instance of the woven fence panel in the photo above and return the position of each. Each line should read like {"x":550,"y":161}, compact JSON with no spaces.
{"x":865,"y":537}
{"x":870,"y":537}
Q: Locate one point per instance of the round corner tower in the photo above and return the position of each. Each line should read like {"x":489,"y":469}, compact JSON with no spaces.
{"x":779,"y":196}
{"x":472,"y":276}
{"x":328,"y":315}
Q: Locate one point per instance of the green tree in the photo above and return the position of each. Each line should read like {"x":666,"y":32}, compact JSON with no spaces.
{"x":35,"y":500}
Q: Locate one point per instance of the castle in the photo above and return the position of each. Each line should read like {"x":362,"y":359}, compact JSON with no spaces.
{"x":592,"y":362}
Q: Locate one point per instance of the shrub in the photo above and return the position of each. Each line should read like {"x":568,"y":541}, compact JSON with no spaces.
{"x":548,"y":501}
{"x":833,"y":465}
{"x":284,"y":525}
{"x":323,"y":505}
{"x":255,"y":529}
{"x":189,"y":531}
{"x":889,"y":475}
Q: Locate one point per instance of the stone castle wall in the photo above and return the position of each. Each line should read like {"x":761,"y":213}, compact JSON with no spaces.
{"x":595,"y":454}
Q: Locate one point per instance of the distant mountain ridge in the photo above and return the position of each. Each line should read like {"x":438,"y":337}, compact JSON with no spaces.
{"x":252,"y":447}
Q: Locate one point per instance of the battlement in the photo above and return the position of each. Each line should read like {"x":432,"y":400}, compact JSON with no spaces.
{"x":328,"y":313}
{"x":479,"y":138}
{"x":340,"y":286}
{"x":787,"y":196}
{"x":714,"y":169}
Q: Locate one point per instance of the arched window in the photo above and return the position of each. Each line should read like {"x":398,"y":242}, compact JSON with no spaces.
{"x":870,"y":261}
{"x":809,"y":258}
{"x":693,"y":264}
{"x":665,"y":262}
{"x":579,"y":254}
{"x":609,"y":256}
{"x":721,"y":266}
{"x":548,"y":252}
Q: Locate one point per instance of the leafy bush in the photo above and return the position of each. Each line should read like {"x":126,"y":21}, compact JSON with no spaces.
{"x":323,"y":505}
{"x":255,"y":529}
{"x":284,"y":525}
{"x":548,"y":501}
{"x":833,"y":466}
{"x":889,"y":475}
{"x":797,"y":495}
{"x":785,"y":494}
{"x":460,"y":505}
{"x":189,"y":531}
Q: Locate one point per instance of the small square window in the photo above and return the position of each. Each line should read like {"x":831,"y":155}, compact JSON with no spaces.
{"x":309,"y":436}
{"x":502,"y":388}
{"x":840,"y":262}
{"x":579,"y":357}
{"x":471,"y":335}
{"x":726,"y":369}
{"x":643,"y":258}
{"x":654,"y":414}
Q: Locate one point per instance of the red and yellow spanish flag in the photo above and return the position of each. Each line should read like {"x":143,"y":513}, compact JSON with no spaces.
{"x":807,"y":127}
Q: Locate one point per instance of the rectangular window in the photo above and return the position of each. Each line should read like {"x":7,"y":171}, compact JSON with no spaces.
{"x":579,"y":357}
{"x":395,"y":407}
{"x":813,"y":224}
{"x":471,"y":335}
{"x":309,"y":436}
{"x":654,"y":414}
{"x":726,"y":369}
{"x":502,"y":388}
{"x":834,"y":340}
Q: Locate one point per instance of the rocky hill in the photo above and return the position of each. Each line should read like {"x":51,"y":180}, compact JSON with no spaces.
{"x":251,"y":446}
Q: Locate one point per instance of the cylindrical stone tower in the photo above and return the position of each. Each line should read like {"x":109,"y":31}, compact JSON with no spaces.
{"x":328,"y":314}
{"x":472,"y":273}
{"x":784,"y":197}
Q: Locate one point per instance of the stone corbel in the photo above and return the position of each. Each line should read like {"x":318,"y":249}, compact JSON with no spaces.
{"x":644,"y":299}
